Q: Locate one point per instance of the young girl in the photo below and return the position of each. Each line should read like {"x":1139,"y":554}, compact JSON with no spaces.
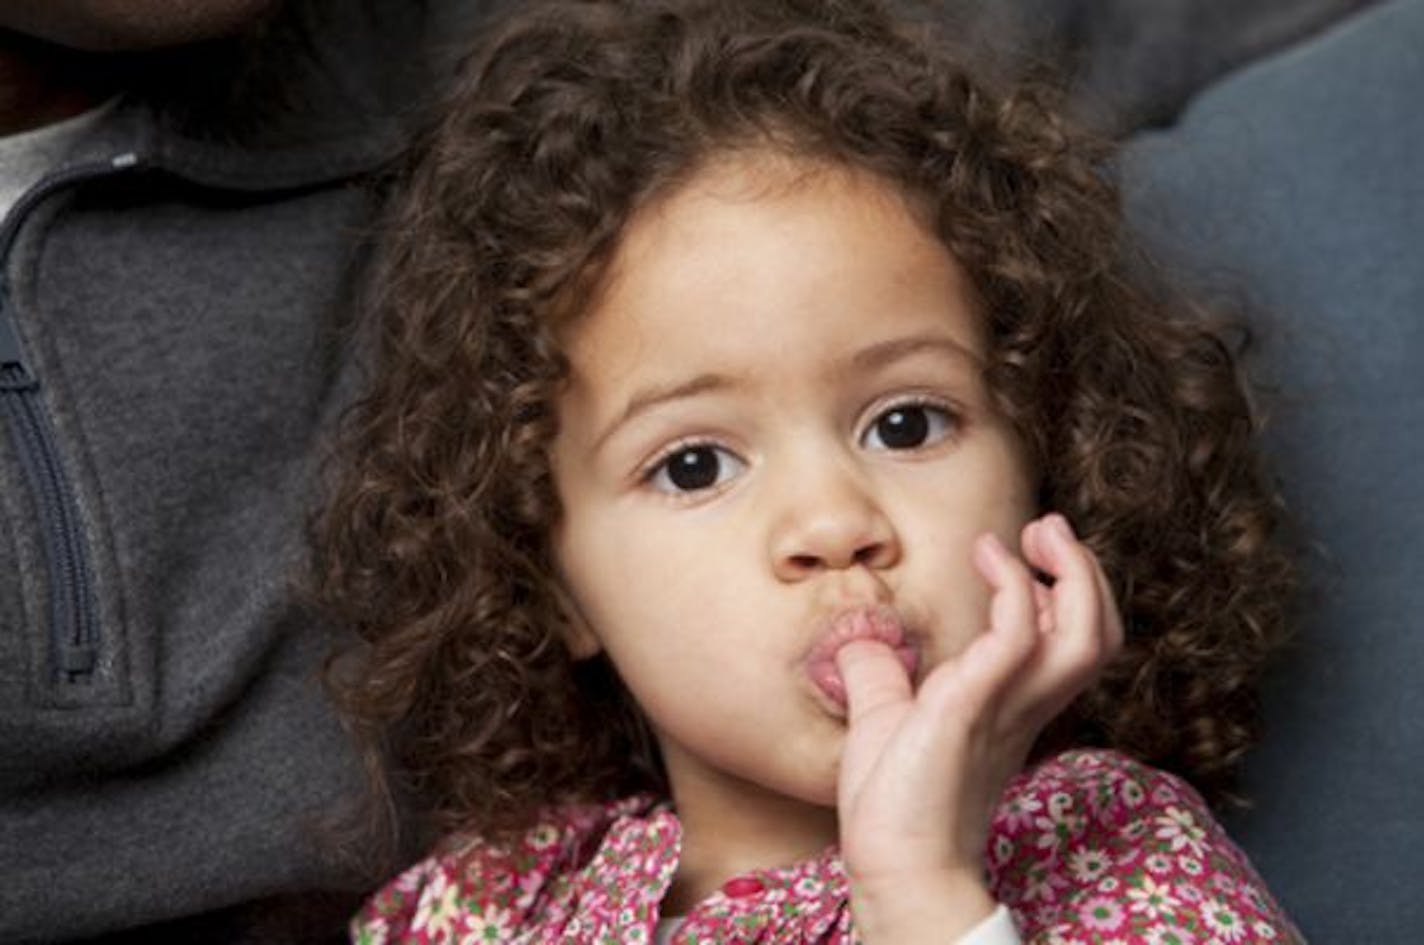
{"x":770,"y":430}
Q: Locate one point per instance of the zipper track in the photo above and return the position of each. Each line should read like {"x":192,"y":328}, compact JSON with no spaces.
{"x":75,"y":633}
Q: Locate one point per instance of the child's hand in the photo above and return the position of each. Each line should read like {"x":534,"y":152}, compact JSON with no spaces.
{"x":921,"y":772}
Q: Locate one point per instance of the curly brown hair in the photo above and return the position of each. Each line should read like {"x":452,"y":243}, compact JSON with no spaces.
{"x":435,"y":544}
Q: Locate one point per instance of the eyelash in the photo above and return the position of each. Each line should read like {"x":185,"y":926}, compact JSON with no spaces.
{"x":658,"y":462}
{"x":954,"y":419}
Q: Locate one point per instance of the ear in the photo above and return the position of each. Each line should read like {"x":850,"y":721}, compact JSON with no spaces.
{"x":578,"y":633}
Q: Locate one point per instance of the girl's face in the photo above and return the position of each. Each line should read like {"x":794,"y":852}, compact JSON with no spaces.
{"x":775,"y":437}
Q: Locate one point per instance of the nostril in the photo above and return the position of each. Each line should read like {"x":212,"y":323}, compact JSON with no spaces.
{"x":833,"y":544}
{"x":869,"y":554}
{"x":805,"y":562}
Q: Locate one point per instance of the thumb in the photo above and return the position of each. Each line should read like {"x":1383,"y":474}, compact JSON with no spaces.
{"x":874,"y":678}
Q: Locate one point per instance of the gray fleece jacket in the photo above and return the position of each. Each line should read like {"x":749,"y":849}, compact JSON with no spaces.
{"x":173,"y":316}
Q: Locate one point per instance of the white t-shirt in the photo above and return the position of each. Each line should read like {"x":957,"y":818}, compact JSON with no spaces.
{"x":997,"y":929}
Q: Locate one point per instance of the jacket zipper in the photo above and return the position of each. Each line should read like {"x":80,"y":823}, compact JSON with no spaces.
{"x":75,"y":633}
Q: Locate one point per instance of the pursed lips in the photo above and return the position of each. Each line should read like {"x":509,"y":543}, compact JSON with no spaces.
{"x":879,"y":623}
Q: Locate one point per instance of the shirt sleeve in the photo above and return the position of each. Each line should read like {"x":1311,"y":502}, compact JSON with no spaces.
{"x":1091,"y":846}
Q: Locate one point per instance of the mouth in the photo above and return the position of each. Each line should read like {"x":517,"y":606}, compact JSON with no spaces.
{"x":880,"y":624}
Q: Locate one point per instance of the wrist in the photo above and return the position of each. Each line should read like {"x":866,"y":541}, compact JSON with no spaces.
{"x":934,"y":908}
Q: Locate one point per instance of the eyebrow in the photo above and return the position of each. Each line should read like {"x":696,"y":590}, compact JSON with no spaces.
{"x":650,"y":397}
{"x":876,"y":356}
{"x":888,"y":352}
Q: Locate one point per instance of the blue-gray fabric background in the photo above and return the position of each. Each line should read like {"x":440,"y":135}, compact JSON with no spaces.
{"x":1294,"y":186}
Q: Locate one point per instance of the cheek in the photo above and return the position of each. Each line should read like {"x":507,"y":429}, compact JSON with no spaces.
{"x":940,"y":552}
{"x":591,"y":566}
{"x":949,"y":508}
{"x":626,"y":578}
{"x":950,"y":589}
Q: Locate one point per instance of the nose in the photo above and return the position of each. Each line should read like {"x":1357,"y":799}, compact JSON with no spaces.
{"x":831,"y":522}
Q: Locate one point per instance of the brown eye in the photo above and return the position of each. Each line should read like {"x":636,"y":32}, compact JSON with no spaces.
{"x":694,"y":468}
{"x":908,"y":427}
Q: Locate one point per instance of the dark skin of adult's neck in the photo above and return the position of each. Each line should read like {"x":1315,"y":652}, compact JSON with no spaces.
{"x":42,"y":83}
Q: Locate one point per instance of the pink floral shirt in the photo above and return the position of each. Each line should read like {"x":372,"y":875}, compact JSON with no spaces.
{"x":1087,"y":847}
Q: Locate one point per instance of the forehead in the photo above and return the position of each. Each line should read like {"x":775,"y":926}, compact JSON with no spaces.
{"x":761,"y":249}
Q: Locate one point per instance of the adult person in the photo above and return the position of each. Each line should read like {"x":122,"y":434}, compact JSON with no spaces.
{"x":181,"y":241}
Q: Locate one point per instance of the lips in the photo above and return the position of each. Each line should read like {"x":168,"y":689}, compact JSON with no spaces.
{"x":879,"y":624}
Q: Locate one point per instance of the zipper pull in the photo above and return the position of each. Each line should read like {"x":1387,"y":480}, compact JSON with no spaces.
{"x":77,"y":659}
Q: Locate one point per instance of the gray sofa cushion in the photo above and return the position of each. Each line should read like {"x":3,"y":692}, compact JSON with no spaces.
{"x":1297,"y":185}
{"x":1130,"y":63}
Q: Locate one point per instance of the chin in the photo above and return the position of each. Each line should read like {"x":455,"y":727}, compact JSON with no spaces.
{"x":822,"y":792}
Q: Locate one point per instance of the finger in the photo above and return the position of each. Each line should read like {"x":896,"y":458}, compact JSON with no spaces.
{"x":1052,"y":547}
{"x":1076,"y":649}
{"x":1037,"y":546}
{"x":985,"y":668}
{"x":1011,"y":608}
{"x":1031,"y":542}
{"x":874,"y":678}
